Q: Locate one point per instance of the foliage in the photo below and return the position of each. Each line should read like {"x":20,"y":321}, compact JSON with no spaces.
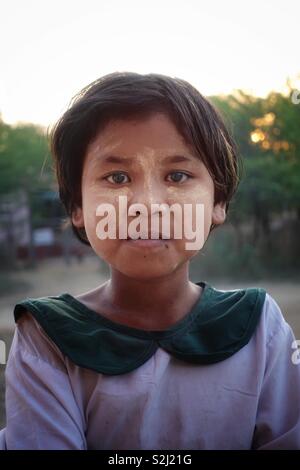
{"x":24,"y":158}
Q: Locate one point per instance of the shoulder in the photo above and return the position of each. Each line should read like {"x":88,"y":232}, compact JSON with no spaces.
{"x":31,"y":340}
{"x":253,"y":313}
{"x":273,"y":338}
{"x":272,"y":322}
{"x":254,"y":301}
{"x":51,"y":318}
{"x":42,"y":308}
{"x":249,"y":299}
{"x":236,"y":311}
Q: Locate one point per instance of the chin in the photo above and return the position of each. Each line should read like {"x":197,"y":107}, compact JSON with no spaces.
{"x":146,"y":271}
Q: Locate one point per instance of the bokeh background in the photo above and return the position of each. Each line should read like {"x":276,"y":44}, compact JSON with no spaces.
{"x":244,"y":56}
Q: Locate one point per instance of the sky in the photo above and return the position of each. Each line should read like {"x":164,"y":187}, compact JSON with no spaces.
{"x":51,"y":49}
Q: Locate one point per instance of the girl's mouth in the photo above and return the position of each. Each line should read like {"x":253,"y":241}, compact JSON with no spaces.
{"x":147,"y":243}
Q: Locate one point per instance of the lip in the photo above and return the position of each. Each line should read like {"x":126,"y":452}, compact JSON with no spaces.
{"x":147,"y":243}
{"x":152,"y":236}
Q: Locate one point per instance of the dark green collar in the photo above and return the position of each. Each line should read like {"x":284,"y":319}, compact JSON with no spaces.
{"x":218,"y":326}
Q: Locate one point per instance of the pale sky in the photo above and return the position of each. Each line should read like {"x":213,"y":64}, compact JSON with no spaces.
{"x":51,"y":49}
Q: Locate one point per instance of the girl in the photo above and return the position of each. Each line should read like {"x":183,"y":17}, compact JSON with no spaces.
{"x":149,"y":360}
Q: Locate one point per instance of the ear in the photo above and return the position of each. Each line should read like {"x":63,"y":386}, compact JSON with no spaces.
{"x":219,"y":213}
{"x":77,"y":217}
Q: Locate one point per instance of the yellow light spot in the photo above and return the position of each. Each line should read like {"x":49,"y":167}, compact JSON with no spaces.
{"x":267,"y":120}
{"x":266,"y":145}
{"x":257,"y":136}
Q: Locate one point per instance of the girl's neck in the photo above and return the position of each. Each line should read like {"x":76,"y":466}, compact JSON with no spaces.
{"x":148,"y":304}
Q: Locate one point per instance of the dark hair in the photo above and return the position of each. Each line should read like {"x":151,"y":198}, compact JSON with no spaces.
{"x":124,"y":95}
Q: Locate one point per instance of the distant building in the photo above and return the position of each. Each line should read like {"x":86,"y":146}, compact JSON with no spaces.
{"x":35,"y":230}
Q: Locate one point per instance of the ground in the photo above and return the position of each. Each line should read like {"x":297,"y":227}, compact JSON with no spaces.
{"x":54,"y":277}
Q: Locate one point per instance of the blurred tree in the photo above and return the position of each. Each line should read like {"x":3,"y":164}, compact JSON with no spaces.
{"x":24,"y":168}
{"x":267,"y":134}
{"x":268,"y":137}
{"x":24,"y":158}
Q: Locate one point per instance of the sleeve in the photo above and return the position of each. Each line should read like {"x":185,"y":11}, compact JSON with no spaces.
{"x":41,"y":410}
{"x":278,"y":415}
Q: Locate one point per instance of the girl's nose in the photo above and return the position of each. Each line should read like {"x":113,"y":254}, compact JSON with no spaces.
{"x":152,"y":195}
{"x":148,"y":193}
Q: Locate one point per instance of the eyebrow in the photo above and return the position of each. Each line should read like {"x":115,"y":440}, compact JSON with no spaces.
{"x":113,"y":159}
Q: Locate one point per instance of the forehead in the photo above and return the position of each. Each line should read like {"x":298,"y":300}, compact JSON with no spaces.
{"x":154,"y":134}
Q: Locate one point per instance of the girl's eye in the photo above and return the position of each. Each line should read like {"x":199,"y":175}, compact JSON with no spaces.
{"x":176,"y":176}
{"x":117,"y":178}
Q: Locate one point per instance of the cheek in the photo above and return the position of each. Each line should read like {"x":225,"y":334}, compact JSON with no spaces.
{"x":105,"y":249}
{"x":192,"y":197}
{"x":96,"y":196}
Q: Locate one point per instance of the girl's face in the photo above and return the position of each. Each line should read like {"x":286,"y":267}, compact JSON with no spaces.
{"x":152,"y":164}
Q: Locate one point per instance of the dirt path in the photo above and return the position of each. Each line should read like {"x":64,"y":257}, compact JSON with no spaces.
{"x":51,"y":277}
